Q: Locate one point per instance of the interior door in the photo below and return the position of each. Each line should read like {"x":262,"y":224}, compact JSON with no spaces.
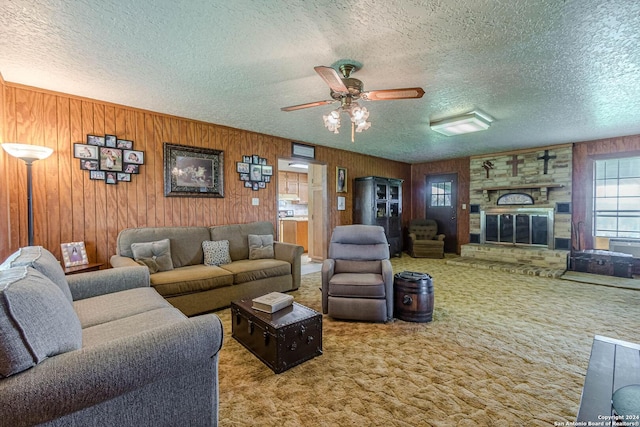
{"x":318,"y":216}
{"x":442,"y":201}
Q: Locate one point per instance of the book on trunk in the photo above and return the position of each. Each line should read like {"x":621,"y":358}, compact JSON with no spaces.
{"x":270,"y":303}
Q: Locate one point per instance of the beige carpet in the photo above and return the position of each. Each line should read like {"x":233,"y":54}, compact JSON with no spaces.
{"x":503,"y":350}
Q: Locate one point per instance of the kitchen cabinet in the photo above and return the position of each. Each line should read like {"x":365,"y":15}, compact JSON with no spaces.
{"x":295,"y":231}
{"x":378,"y":201}
{"x":294,"y":184}
{"x":303,"y":188}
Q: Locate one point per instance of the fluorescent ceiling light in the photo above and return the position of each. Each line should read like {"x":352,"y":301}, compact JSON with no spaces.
{"x":471,"y":122}
{"x":299,"y":165}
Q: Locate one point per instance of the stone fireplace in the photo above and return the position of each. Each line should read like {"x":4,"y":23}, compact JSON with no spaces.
{"x":520,"y":207}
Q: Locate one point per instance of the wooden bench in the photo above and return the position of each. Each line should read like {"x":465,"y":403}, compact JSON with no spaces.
{"x":613,"y":364}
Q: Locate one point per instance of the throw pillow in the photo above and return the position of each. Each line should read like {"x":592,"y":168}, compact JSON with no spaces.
{"x":42,"y":260}
{"x":36,"y":320}
{"x":260,"y":246}
{"x":159,"y":251}
{"x":216,"y":252}
{"x":150,"y":263}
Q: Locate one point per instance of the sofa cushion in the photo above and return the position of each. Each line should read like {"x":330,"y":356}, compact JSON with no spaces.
{"x":158,"y":251}
{"x":237,"y":235}
{"x":357,"y":285}
{"x":250,"y":270}
{"x":260,"y":246}
{"x":118,"y":305}
{"x":190,"y":279}
{"x":150,"y":263}
{"x":42,"y":260}
{"x":186,"y":242}
{"x":130,"y":325}
{"x":216,"y":252}
{"x":36,"y":320}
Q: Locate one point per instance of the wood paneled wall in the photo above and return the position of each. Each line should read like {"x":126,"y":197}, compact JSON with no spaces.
{"x":584,"y":153}
{"x":459,"y":166}
{"x":70,"y":207}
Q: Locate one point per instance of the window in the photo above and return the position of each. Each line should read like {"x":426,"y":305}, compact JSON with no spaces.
{"x":441,"y":193}
{"x":616,"y":198}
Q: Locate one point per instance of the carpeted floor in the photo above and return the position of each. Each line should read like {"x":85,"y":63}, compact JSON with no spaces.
{"x":503,"y":349}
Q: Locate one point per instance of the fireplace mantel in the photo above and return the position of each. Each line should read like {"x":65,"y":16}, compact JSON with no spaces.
{"x":544,"y":189}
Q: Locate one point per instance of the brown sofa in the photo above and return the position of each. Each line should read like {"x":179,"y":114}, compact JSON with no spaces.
{"x":193,"y":287}
{"x":424,"y":240}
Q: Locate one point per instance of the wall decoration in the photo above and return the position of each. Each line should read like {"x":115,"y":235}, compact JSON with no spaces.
{"x":108,"y":158}
{"x":74,"y":254}
{"x":254,"y":171}
{"x":342,"y":204}
{"x":303,"y":150}
{"x":193,"y":171}
{"x":341,"y":180}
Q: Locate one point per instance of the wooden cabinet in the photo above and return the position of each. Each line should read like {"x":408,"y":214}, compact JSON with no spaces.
{"x":296,"y":184}
{"x":303,"y":188}
{"x":378,"y":201}
{"x":295,"y":231}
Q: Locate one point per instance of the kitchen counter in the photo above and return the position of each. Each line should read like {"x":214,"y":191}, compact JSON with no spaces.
{"x":295,"y":230}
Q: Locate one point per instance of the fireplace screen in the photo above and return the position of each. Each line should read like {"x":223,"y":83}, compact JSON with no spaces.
{"x":532,"y":227}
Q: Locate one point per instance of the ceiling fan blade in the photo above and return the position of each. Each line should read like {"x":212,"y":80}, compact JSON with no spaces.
{"x":390,"y":94}
{"x":308,"y":105}
{"x":332,"y":78}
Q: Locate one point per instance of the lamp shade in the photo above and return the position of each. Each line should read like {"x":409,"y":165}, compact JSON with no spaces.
{"x":27,"y":152}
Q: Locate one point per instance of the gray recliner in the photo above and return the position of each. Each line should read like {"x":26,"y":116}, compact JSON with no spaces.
{"x":357,"y":279}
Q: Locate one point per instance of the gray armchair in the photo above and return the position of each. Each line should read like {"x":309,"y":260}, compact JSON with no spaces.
{"x":424,"y":240}
{"x":357,"y":279}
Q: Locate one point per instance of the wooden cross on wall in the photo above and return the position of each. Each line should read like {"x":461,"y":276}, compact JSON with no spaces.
{"x":546,"y":159}
{"x":514,"y":162}
{"x":487,"y":165}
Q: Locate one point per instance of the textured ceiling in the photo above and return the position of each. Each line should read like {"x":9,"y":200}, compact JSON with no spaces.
{"x":548,"y":71}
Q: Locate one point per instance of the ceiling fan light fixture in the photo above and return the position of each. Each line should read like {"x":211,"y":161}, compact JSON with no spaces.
{"x":467,"y":123}
{"x":332,"y":121}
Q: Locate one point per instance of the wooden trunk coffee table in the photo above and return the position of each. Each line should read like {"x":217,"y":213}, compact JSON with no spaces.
{"x":281,"y":340}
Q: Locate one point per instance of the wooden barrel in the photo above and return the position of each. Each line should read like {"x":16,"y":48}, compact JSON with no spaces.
{"x":413,"y":296}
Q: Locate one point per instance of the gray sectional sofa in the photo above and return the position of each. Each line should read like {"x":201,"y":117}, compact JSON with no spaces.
{"x":193,"y":287}
{"x":100,"y":349}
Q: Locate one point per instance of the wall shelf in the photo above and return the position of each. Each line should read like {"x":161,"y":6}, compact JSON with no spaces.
{"x":543,"y":187}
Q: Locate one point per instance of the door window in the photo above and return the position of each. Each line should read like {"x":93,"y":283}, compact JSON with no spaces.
{"x":440,"y":194}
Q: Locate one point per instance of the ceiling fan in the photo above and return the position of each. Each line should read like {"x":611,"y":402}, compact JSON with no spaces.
{"x":348,"y":90}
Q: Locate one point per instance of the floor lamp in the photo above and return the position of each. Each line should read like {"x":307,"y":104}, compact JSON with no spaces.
{"x":28,"y":153}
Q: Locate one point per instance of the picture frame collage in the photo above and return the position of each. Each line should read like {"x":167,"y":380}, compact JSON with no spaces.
{"x":254,"y":172}
{"x":108,"y":158}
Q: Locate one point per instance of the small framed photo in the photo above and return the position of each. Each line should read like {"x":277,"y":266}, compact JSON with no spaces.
{"x":256,"y":159}
{"x":111,"y":177}
{"x":262,"y":185}
{"x":254,"y":186}
{"x":244,"y":177}
{"x":89,"y":165}
{"x":135,"y":157}
{"x":266,"y":178}
{"x":246,"y":159}
{"x":110,"y":141}
{"x":256,"y":173}
{"x":342,"y":204}
{"x":85,"y":151}
{"x":131,"y":168}
{"x":124,"y":177}
{"x":74,"y":254}
{"x":341,"y":180}
{"x":242,"y":167}
{"x":111,"y":159}
{"x":97,"y":175}
{"x":248,"y":184}
{"x":124,"y":144}
{"x":95,"y":140}
{"x":263,"y":161}
{"x":267,"y":170}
